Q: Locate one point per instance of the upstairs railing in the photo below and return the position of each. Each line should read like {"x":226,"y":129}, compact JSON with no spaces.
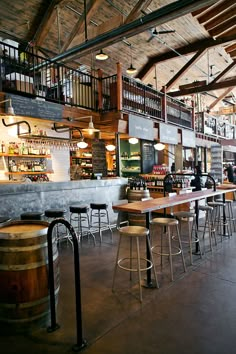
{"x":34,"y":76}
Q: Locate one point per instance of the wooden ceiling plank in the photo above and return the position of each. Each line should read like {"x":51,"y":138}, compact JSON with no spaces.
{"x":215,"y":10}
{"x":220,"y":98}
{"x":92,"y":7}
{"x":220,"y":19}
{"x":223,"y":27}
{"x":185,"y":50}
{"x":185,"y":68}
{"x":166,"y":13}
{"x":210,"y":87}
{"x":233,"y":54}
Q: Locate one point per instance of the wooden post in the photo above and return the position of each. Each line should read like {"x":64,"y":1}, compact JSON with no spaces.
{"x":100,"y":103}
{"x":119,"y":87}
{"x":164,"y":104}
{"x":193,"y":113}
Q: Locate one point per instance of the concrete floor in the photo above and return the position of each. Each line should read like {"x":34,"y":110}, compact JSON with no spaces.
{"x":194,"y":314}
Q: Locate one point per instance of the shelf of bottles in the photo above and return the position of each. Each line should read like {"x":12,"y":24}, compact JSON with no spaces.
{"x":25,"y":159}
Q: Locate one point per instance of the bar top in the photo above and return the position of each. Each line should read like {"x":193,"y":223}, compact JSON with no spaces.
{"x":165,"y":202}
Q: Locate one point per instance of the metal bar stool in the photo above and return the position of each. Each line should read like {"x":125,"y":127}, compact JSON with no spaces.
{"x":229,"y":214}
{"x":218,"y":218}
{"x":99,"y":219}
{"x":166,"y":224}
{"x":208,"y":225}
{"x":189,"y":218}
{"x":31,"y":215}
{"x":134,"y":232}
{"x":51,"y":214}
{"x":80,"y":215}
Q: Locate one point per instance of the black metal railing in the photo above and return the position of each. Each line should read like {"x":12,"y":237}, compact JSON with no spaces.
{"x":35,"y":76}
{"x":80,"y":342}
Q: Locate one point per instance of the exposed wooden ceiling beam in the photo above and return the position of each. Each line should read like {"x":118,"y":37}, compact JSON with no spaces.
{"x":228,"y":33}
{"x":210,"y":87}
{"x":220,"y":98}
{"x":193,"y":84}
{"x":215,"y":10}
{"x":185,"y":68}
{"x":47,"y":21}
{"x":166,"y":13}
{"x":230,"y":48}
{"x":216,"y":21}
{"x":135,"y":12}
{"x":91,"y":9}
{"x":185,"y":50}
{"x":223,"y":27}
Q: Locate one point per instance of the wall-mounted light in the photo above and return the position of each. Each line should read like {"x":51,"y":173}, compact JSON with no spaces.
{"x":110,"y":147}
{"x":101,"y":55}
{"x":18,"y":125}
{"x":133,"y":141}
{"x":10,"y":109}
{"x":90,"y":130}
{"x":159,"y":146}
{"x":62,"y":129}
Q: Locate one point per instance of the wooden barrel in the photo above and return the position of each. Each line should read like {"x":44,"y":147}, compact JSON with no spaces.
{"x":134,"y":195}
{"x":24,"y":289}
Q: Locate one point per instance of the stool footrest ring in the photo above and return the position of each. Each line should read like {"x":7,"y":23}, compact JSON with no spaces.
{"x":134,"y":269}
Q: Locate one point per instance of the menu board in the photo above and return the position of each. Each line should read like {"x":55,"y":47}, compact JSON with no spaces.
{"x":148,"y":156}
{"x":99,"y":157}
{"x":28,"y":107}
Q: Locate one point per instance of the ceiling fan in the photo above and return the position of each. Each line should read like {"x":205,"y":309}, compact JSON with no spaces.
{"x":211,"y":71}
{"x":157,"y":33}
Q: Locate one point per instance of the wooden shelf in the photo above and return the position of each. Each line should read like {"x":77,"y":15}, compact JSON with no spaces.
{"x":28,"y":173}
{"x":29,"y":156}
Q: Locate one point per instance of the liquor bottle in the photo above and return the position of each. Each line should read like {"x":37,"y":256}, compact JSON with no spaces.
{"x":3,"y":147}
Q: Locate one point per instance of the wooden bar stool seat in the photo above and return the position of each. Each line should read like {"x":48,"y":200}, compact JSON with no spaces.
{"x":134,"y":233}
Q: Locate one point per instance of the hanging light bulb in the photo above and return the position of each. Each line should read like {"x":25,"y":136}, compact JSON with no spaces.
{"x":131,"y":69}
{"x":110,"y":147}
{"x":101,"y":55}
{"x":133,"y":141}
{"x":159,"y":146}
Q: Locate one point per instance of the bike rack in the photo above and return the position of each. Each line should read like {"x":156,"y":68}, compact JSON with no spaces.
{"x":80,"y":342}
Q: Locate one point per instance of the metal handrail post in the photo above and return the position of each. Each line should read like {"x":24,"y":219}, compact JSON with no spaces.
{"x":80,"y":343}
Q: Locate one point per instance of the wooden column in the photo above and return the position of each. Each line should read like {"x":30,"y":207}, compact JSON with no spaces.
{"x":119,"y":87}
{"x":100,"y":101}
{"x":164,"y":104}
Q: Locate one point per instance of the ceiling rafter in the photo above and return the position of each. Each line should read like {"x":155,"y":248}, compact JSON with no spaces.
{"x":47,"y":21}
{"x":221,"y":97}
{"x":215,"y":11}
{"x":220,"y":19}
{"x":210,"y":87}
{"x":223,"y":27}
{"x":185,"y":68}
{"x":230,"y":48}
{"x":136,"y":11}
{"x":185,"y":50}
{"x":91,"y":9}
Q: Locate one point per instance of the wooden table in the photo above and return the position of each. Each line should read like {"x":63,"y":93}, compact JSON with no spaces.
{"x":147,"y":206}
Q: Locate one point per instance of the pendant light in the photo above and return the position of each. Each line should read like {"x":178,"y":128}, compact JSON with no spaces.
{"x":159,"y":146}
{"x":131,"y":69}
{"x":101,"y":55}
{"x":133,"y":141}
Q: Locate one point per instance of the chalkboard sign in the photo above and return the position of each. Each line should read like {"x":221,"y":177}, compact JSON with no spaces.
{"x":28,"y":107}
{"x":99,"y":157}
{"x":148,"y":156}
